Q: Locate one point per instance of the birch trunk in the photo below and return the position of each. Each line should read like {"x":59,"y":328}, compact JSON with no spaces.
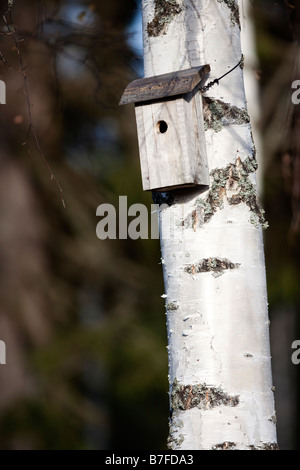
{"x":221,"y":394}
{"x":248,"y":45}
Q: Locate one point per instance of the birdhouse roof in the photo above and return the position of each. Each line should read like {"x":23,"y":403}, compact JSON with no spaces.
{"x":163,"y":86}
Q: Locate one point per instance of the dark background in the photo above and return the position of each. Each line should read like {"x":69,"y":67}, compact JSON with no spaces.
{"x":83,"y":319}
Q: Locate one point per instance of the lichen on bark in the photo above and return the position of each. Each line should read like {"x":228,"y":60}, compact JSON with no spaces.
{"x":232,"y":184}
{"x":175,"y":438}
{"x":218,"y":114}
{"x":173,"y":441}
{"x":164,"y":13}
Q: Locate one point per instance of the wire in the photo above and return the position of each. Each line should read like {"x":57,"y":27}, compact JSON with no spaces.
{"x":216,"y":81}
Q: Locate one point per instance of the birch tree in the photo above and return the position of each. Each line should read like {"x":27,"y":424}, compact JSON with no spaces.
{"x":221,"y":394}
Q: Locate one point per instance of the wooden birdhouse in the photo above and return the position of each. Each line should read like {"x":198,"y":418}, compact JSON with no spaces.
{"x":170,"y":129}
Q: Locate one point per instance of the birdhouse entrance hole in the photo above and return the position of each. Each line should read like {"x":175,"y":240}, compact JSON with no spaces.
{"x":162,"y":127}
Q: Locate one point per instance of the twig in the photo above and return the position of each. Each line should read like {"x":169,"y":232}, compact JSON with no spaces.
{"x":31,"y":129}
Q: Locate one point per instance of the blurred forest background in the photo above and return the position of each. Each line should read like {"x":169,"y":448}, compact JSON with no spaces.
{"x":83,"y":319}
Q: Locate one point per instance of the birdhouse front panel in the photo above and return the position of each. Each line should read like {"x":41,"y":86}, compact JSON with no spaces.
{"x":171,"y":152}
{"x":170,"y":129}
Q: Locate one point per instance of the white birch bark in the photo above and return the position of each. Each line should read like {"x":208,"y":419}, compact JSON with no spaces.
{"x":251,"y":83}
{"x":221,"y":394}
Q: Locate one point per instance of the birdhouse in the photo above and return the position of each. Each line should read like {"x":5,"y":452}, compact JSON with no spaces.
{"x":170,"y":129}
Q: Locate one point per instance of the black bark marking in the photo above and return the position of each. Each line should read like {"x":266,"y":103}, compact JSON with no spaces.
{"x":232,"y":445}
{"x":174,"y":442}
{"x":234,"y":11}
{"x":216,"y":266}
{"x":164,"y":13}
{"x":171,"y":306}
{"x":224,"y":446}
{"x":185,"y":397}
{"x":218,"y":114}
{"x":273,"y":419}
{"x":265,"y":446}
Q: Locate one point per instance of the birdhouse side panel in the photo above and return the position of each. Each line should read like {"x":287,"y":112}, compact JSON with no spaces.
{"x":197,"y":139}
{"x":143,"y":151}
{"x":186,"y":131}
{"x":163,"y":145}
